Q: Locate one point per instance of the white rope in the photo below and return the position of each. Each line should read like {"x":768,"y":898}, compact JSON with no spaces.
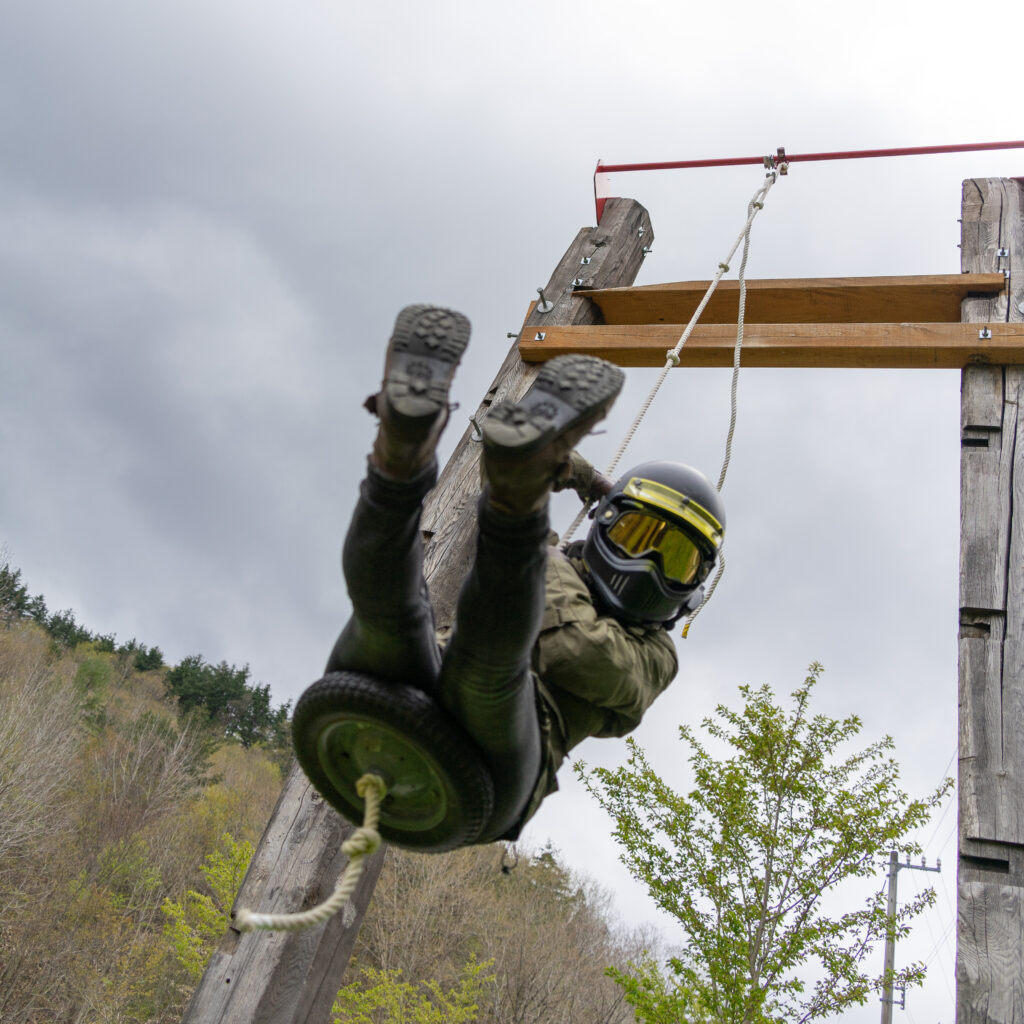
{"x":752,"y":210}
{"x":358,"y":846}
{"x":754,"y":207}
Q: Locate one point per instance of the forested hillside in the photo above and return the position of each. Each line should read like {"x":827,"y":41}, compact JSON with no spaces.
{"x":131,"y":796}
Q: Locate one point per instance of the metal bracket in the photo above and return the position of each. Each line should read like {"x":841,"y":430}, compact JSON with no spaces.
{"x":777,"y":162}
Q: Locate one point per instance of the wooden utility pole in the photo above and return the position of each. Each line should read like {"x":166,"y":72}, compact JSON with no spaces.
{"x":292,"y":978}
{"x":990,"y":912}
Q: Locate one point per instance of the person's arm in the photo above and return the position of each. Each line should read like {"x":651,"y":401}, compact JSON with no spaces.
{"x":596,"y":659}
{"x":580,"y":476}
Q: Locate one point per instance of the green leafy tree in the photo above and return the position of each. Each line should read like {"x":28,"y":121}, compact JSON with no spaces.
{"x":65,"y":630}
{"x":147,"y":659}
{"x":383,"y":998}
{"x":210,"y":687}
{"x":744,"y":861}
{"x":197,"y":922}
{"x":14,"y":599}
{"x":239,"y":711}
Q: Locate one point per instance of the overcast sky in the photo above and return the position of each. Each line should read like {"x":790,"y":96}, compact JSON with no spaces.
{"x":210,"y":213}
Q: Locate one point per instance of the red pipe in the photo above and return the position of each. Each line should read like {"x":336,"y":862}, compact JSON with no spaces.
{"x":854,"y":154}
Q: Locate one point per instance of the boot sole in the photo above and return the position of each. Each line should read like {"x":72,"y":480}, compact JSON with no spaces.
{"x":570,"y":395}
{"x":423,"y":354}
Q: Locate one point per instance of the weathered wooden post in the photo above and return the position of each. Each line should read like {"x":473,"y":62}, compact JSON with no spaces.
{"x":292,"y":978}
{"x":990,"y":913}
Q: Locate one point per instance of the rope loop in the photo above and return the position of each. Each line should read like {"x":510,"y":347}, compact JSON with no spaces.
{"x":358,"y":846}
{"x":362,"y":843}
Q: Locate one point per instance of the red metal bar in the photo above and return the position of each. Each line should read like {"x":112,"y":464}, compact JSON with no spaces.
{"x":602,"y":188}
{"x":854,"y":154}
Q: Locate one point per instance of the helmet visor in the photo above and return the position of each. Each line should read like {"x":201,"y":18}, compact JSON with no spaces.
{"x":639,"y":533}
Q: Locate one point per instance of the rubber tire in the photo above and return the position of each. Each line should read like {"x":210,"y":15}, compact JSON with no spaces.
{"x":440,"y":793}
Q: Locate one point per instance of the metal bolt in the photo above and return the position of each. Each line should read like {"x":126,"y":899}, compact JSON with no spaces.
{"x":478,"y":434}
{"x":640,"y":230}
{"x":544,"y":306}
{"x":1002,"y":252}
{"x":646,"y":249}
{"x":585,"y":261}
{"x":577,"y":282}
{"x":511,"y":334}
{"x":539,"y":336}
{"x":984,"y":333}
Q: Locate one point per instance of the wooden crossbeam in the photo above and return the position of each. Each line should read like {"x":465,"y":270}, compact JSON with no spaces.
{"x":821,"y":300}
{"x":937,"y":346}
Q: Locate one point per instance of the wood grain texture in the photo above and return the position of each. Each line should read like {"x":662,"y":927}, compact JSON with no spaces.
{"x":274,"y":978}
{"x":870,"y":345}
{"x":851,"y":300}
{"x":990,"y":924}
{"x":990,"y":953}
{"x":287,"y":978}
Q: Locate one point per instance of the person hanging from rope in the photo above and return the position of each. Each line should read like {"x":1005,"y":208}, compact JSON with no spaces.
{"x":547,"y":648}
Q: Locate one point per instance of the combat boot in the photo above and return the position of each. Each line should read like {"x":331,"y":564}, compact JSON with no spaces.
{"x":412,"y":404}
{"x":527,"y":443}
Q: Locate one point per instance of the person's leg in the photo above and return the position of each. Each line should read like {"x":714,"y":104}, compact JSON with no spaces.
{"x":391,"y":631}
{"x":486,"y":681}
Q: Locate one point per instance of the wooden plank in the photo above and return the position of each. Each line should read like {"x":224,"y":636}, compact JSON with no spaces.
{"x":990,"y":920}
{"x":264,"y":978}
{"x":886,"y":346}
{"x":932,"y":298}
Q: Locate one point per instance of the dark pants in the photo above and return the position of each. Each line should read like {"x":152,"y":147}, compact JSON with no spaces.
{"x":483,"y":678}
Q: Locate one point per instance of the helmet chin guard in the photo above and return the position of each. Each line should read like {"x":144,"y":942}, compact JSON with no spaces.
{"x":654,"y":540}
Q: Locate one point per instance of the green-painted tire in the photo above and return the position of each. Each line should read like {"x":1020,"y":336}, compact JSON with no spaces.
{"x":439,"y":792}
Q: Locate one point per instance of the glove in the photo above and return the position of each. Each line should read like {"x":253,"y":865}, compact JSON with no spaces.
{"x":580,"y":476}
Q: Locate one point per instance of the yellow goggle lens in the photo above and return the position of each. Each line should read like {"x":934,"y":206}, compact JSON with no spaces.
{"x":650,"y":492}
{"x":638,"y":533}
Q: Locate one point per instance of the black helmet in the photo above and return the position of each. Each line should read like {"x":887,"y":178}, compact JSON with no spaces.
{"x":655,"y":538}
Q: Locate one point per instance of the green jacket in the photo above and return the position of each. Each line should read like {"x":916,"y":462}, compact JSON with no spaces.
{"x":595,"y":676}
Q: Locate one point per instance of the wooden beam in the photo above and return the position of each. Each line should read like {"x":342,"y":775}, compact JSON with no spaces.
{"x":870,"y":345}
{"x":990,"y":869}
{"x":816,"y":300}
{"x":292,"y":978}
